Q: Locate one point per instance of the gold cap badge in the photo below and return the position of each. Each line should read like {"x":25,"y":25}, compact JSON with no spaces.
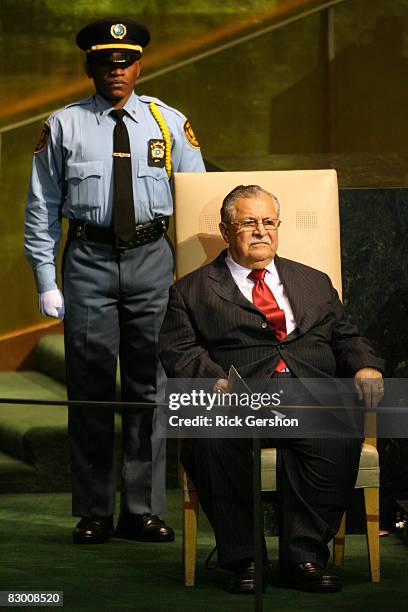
{"x":118,"y":30}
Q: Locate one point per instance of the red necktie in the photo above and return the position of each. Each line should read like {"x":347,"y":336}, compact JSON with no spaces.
{"x":264,"y":299}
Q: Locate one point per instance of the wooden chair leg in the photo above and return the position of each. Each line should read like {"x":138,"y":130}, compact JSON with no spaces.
{"x":372,"y":508}
{"x":338,"y":543}
{"x":190,"y":524}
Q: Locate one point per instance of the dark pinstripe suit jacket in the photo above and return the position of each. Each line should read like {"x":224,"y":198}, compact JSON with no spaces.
{"x":210,"y":325}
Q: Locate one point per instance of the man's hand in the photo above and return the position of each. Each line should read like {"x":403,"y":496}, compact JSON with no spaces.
{"x":221,"y":385}
{"x":369,"y":386}
{"x":51,"y":304}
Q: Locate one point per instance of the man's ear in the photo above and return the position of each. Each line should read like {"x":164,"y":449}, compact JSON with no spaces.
{"x":224,"y":232}
{"x":88,"y":70}
{"x":139,"y":67}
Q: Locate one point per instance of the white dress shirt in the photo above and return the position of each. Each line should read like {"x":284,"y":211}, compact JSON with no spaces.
{"x":245,"y":285}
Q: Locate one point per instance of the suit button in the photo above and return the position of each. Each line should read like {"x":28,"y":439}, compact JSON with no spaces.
{"x":264,"y":325}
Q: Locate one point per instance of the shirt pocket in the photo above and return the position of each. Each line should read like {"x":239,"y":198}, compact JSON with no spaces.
{"x":84,"y":184}
{"x":153,"y":186}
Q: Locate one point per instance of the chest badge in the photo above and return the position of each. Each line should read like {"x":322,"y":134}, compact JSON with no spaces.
{"x":156,"y":152}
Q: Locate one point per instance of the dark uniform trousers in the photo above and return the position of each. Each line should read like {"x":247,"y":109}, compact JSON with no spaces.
{"x":115,"y":303}
{"x":314,"y":480}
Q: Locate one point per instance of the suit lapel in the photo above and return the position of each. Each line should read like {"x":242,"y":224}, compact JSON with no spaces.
{"x":296,"y":283}
{"x":224,"y":285}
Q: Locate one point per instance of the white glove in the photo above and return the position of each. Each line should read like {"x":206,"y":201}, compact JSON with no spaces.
{"x":51,"y":304}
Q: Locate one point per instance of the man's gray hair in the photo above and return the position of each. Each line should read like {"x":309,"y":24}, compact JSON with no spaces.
{"x":243,"y":191}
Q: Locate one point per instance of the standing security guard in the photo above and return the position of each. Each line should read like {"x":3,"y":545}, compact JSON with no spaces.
{"x":105,"y":163}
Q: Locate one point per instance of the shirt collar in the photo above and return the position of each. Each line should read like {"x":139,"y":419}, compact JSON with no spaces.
{"x":104,"y":107}
{"x":243,"y":272}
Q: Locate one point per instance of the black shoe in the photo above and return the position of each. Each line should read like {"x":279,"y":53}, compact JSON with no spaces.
{"x":243,"y":579}
{"x":143,"y":528}
{"x":310,"y":577}
{"x":93,"y":530}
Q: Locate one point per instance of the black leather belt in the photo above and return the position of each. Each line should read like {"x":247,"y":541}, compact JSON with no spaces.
{"x":83,"y":230}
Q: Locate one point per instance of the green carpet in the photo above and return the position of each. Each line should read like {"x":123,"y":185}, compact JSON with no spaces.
{"x":37,"y":554}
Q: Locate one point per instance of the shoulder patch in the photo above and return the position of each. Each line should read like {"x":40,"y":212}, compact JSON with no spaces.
{"x":189,"y":134}
{"x":43,"y":139}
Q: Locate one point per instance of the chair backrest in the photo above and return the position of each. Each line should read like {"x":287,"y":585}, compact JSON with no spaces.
{"x":310,"y":230}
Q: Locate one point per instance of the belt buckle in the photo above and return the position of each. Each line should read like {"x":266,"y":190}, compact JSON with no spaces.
{"x":121,"y":245}
{"x":80,"y":230}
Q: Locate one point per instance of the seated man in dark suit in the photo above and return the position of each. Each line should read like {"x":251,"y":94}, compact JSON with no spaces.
{"x":269,"y":317}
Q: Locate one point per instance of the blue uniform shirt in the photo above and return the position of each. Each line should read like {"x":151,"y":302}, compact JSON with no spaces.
{"x":72,"y":172}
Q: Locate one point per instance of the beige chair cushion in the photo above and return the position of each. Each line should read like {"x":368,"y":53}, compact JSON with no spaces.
{"x":368,"y":471}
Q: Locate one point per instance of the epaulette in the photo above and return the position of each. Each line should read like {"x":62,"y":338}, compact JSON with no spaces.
{"x":46,"y":128}
{"x":187,"y":129}
{"x":149,"y":99}
{"x":83,"y":102}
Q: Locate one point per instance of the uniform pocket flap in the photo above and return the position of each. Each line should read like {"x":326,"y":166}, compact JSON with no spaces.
{"x":83,"y":170}
{"x":153,"y":171}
